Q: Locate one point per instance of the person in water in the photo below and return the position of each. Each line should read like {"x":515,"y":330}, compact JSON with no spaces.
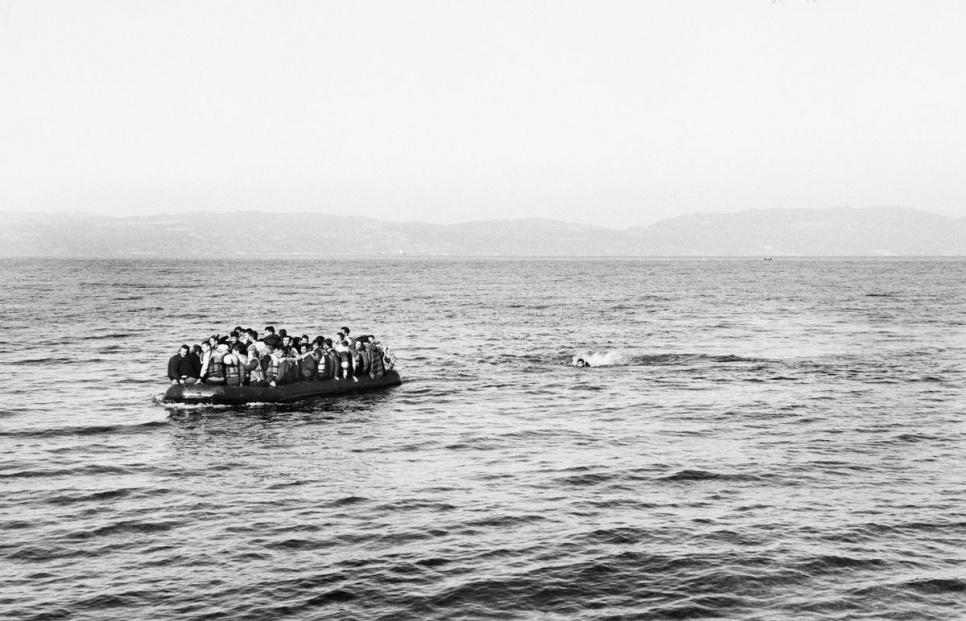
{"x":581,"y":363}
{"x":183,"y":368}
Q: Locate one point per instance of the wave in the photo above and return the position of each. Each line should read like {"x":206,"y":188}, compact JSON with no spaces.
{"x":90,"y":430}
{"x":704,"y":475}
{"x":618,"y":358}
{"x":106,"y":336}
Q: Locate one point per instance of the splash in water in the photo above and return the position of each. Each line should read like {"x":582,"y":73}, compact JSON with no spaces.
{"x":594,"y":359}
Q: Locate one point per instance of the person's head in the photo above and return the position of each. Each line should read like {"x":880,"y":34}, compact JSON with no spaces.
{"x":344,"y":331}
{"x":183,"y":351}
{"x":270,"y":329}
{"x":196,"y":349}
{"x":283,"y":333}
{"x":363,"y":339}
{"x":213,"y":340}
{"x":316,"y":345}
{"x":304,"y":338}
{"x":234,"y":335}
{"x":327,"y":343}
{"x":252,"y":334}
{"x":580,"y":362}
{"x":238,"y":330}
{"x":286,"y":340}
{"x":372,"y":339}
{"x":358,"y":344}
{"x":205,"y":346}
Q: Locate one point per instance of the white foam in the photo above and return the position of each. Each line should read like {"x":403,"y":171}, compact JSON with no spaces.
{"x":604,"y":359}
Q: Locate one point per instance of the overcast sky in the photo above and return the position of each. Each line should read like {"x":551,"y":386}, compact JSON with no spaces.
{"x":610,"y":112}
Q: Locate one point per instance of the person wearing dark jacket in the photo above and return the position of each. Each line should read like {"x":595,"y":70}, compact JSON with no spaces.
{"x":271,"y":339}
{"x":332,"y":361}
{"x":182,"y":368}
{"x":377,"y":367}
{"x":360,"y":358}
{"x":309,"y":364}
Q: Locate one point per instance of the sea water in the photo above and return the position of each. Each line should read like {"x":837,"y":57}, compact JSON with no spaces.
{"x":753,"y":440}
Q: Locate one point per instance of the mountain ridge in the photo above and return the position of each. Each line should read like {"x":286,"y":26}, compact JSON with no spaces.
{"x":831,"y":231}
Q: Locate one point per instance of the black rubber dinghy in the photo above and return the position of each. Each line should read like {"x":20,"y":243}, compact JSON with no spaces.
{"x":240,"y":395}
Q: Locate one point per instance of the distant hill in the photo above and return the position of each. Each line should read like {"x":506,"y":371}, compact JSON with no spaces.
{"x":880,"y":231}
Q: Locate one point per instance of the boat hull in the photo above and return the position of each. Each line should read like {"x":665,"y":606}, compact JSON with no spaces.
{"x":240,"y":395}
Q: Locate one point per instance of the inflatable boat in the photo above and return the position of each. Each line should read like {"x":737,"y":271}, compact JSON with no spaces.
{"x":219,"y":394}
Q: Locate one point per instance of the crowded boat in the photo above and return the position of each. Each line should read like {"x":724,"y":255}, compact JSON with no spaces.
{"x":246,"y":358}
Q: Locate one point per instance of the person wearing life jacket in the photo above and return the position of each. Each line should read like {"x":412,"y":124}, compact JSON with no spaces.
{"x":331,"y":361}
{"x":288,"y":367}
{"x":253,"y":368}
{"x":216,"y":364}
{"x":213,"y":340}
{"x":270,"y":366}
{"x":205,"y":359}
{"x":289,"y":348}
{"x":246,"y":363}
{"x":345,"y":370}
{"x":235,"y":362}
{"x":360,"y":357}
{"x":309,"y":364}
{"x":377,"y":368}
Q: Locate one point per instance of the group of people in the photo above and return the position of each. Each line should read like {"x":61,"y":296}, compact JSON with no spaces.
{"x":244,"y":359}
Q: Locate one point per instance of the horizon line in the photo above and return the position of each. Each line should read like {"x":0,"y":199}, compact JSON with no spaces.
{"x":426,"y":223}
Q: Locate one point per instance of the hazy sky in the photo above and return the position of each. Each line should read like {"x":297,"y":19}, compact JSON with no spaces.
{"x":610,"y":112}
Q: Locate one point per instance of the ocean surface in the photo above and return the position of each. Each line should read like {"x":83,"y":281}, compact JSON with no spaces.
{"x":755,"y":440}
